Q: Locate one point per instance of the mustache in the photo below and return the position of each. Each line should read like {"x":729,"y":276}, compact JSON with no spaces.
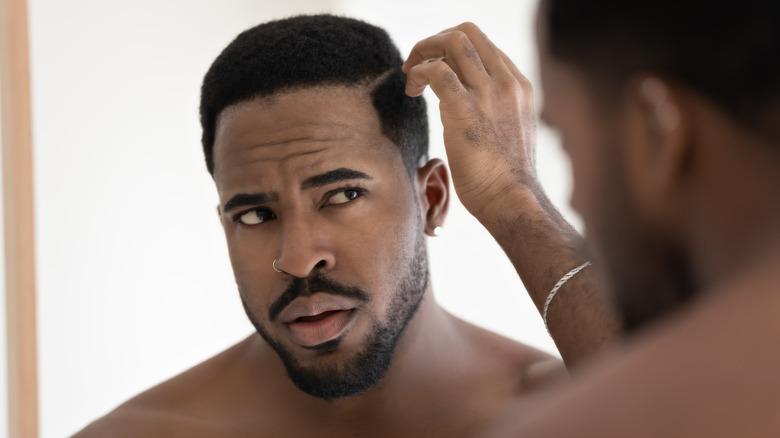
{"x":309,"y":285}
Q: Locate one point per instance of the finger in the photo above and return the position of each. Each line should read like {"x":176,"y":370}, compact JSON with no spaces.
{"x":496,"y":62}
{"x":515,"y":72}
{"x":456,"y":50}
{"x":492,"y":58}
{"x":439,"y":76}
{"x":417,"y":57}
{"x":489,"y":54}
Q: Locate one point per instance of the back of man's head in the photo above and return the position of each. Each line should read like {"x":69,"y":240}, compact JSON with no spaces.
{"x":728,"y":51}
{"x":312,"y":51}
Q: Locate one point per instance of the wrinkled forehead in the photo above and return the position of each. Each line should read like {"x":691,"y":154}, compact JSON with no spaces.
{"x":303,"y":106}
{"x":299,"y":129}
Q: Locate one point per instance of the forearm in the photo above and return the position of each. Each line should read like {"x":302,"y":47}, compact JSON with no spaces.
{"x":490,"y":135}
{"x":543,"y":247}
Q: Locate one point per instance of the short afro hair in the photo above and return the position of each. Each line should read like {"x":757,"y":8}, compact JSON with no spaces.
{"x":727,"y":50}
{"x":309,"y":51}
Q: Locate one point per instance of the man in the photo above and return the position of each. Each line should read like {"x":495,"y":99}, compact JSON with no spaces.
{"x":669,"y":112}
{"x":326,"y":194}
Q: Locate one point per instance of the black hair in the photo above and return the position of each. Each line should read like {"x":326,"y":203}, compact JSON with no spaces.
{"x":728,"y":51}
{"x":316,"y":50}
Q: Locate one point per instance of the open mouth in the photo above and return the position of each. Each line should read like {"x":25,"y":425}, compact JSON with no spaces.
{"x":320,"y":317}
{"x":313,"y":330}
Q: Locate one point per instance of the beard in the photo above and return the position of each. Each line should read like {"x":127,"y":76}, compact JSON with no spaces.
{"x":648,"y":274}
{"x":365,"y":369}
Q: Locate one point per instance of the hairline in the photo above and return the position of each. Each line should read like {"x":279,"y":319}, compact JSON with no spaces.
{"x":364,"y":87}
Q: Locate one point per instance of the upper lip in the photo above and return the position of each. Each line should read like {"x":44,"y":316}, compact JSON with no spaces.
{"x":314,"y":305}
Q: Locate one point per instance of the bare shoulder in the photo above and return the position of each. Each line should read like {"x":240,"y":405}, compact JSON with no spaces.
{"x":529,"y":367}
{"x":135,"y":421}
{"x":719,"y":349}
{"x":176,"y":407}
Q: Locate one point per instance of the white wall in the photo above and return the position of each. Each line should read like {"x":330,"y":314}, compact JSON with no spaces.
{"x":134,"y":279}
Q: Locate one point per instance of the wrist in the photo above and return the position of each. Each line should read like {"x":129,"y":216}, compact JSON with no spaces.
{"x":508,"y":203}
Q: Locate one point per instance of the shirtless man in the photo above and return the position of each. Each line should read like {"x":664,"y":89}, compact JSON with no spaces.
{"x":670,"y":113}
{"x":326,"y":194}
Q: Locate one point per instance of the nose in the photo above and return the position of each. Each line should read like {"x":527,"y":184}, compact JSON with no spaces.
{"x":304,"y":247}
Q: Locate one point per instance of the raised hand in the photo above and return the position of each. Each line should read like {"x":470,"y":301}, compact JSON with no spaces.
{"x":487,"y":110}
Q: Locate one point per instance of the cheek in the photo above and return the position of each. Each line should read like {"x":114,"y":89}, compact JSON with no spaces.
{"x":246,"y":264}
{"x":251,"y":265}
{"x":598,"y":197}
{"x":382,"y":255}
{"x":589,"y":140}
{"x":378,"y":249}
{"x":587,"y":169}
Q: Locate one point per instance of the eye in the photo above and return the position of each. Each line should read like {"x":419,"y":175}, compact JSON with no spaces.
{"x":344,"y":195}
{"x":256,"y":216}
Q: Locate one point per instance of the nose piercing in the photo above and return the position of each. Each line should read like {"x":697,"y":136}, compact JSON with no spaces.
{"x":273,"y":265}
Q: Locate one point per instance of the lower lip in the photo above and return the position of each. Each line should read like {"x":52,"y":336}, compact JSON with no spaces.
{"x":310,"y":334}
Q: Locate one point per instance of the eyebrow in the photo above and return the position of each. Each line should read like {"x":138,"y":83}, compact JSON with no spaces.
{"x":333,"y":176}
{"x":243,"y":199}
{"x":323,"y":179}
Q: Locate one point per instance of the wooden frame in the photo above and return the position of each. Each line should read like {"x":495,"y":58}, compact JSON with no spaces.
{"x":18,"y":220}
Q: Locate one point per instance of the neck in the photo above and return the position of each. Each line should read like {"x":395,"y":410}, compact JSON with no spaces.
{"x":427,"y":343}
{"x":735,"y":214}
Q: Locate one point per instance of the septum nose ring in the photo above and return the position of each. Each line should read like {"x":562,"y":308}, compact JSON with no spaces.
{"x":273,"y":265}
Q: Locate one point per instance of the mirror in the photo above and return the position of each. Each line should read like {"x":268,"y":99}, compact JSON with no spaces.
{"x":134,"y":281}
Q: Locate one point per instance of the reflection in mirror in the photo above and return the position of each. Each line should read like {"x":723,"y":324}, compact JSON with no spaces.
{"x":134,"y":281}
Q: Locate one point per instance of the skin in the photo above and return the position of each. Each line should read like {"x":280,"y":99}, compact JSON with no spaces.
{"x":688,"y":184}
{"x":490,"y":136}
{"x":447,"y":377}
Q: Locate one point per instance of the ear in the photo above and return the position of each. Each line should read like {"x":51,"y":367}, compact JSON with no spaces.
{"x":659,"y":145}
{"x":433,"y":192}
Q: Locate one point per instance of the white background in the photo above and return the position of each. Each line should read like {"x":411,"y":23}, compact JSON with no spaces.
{"x":134,"y":279}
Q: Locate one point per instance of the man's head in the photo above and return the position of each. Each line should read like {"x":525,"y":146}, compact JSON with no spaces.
{"x":310,"y":51}
{"x":629,"y":85}
{"x":314,"y":149}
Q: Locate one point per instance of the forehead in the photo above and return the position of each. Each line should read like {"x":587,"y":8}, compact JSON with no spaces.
{"x":294,"y":134}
